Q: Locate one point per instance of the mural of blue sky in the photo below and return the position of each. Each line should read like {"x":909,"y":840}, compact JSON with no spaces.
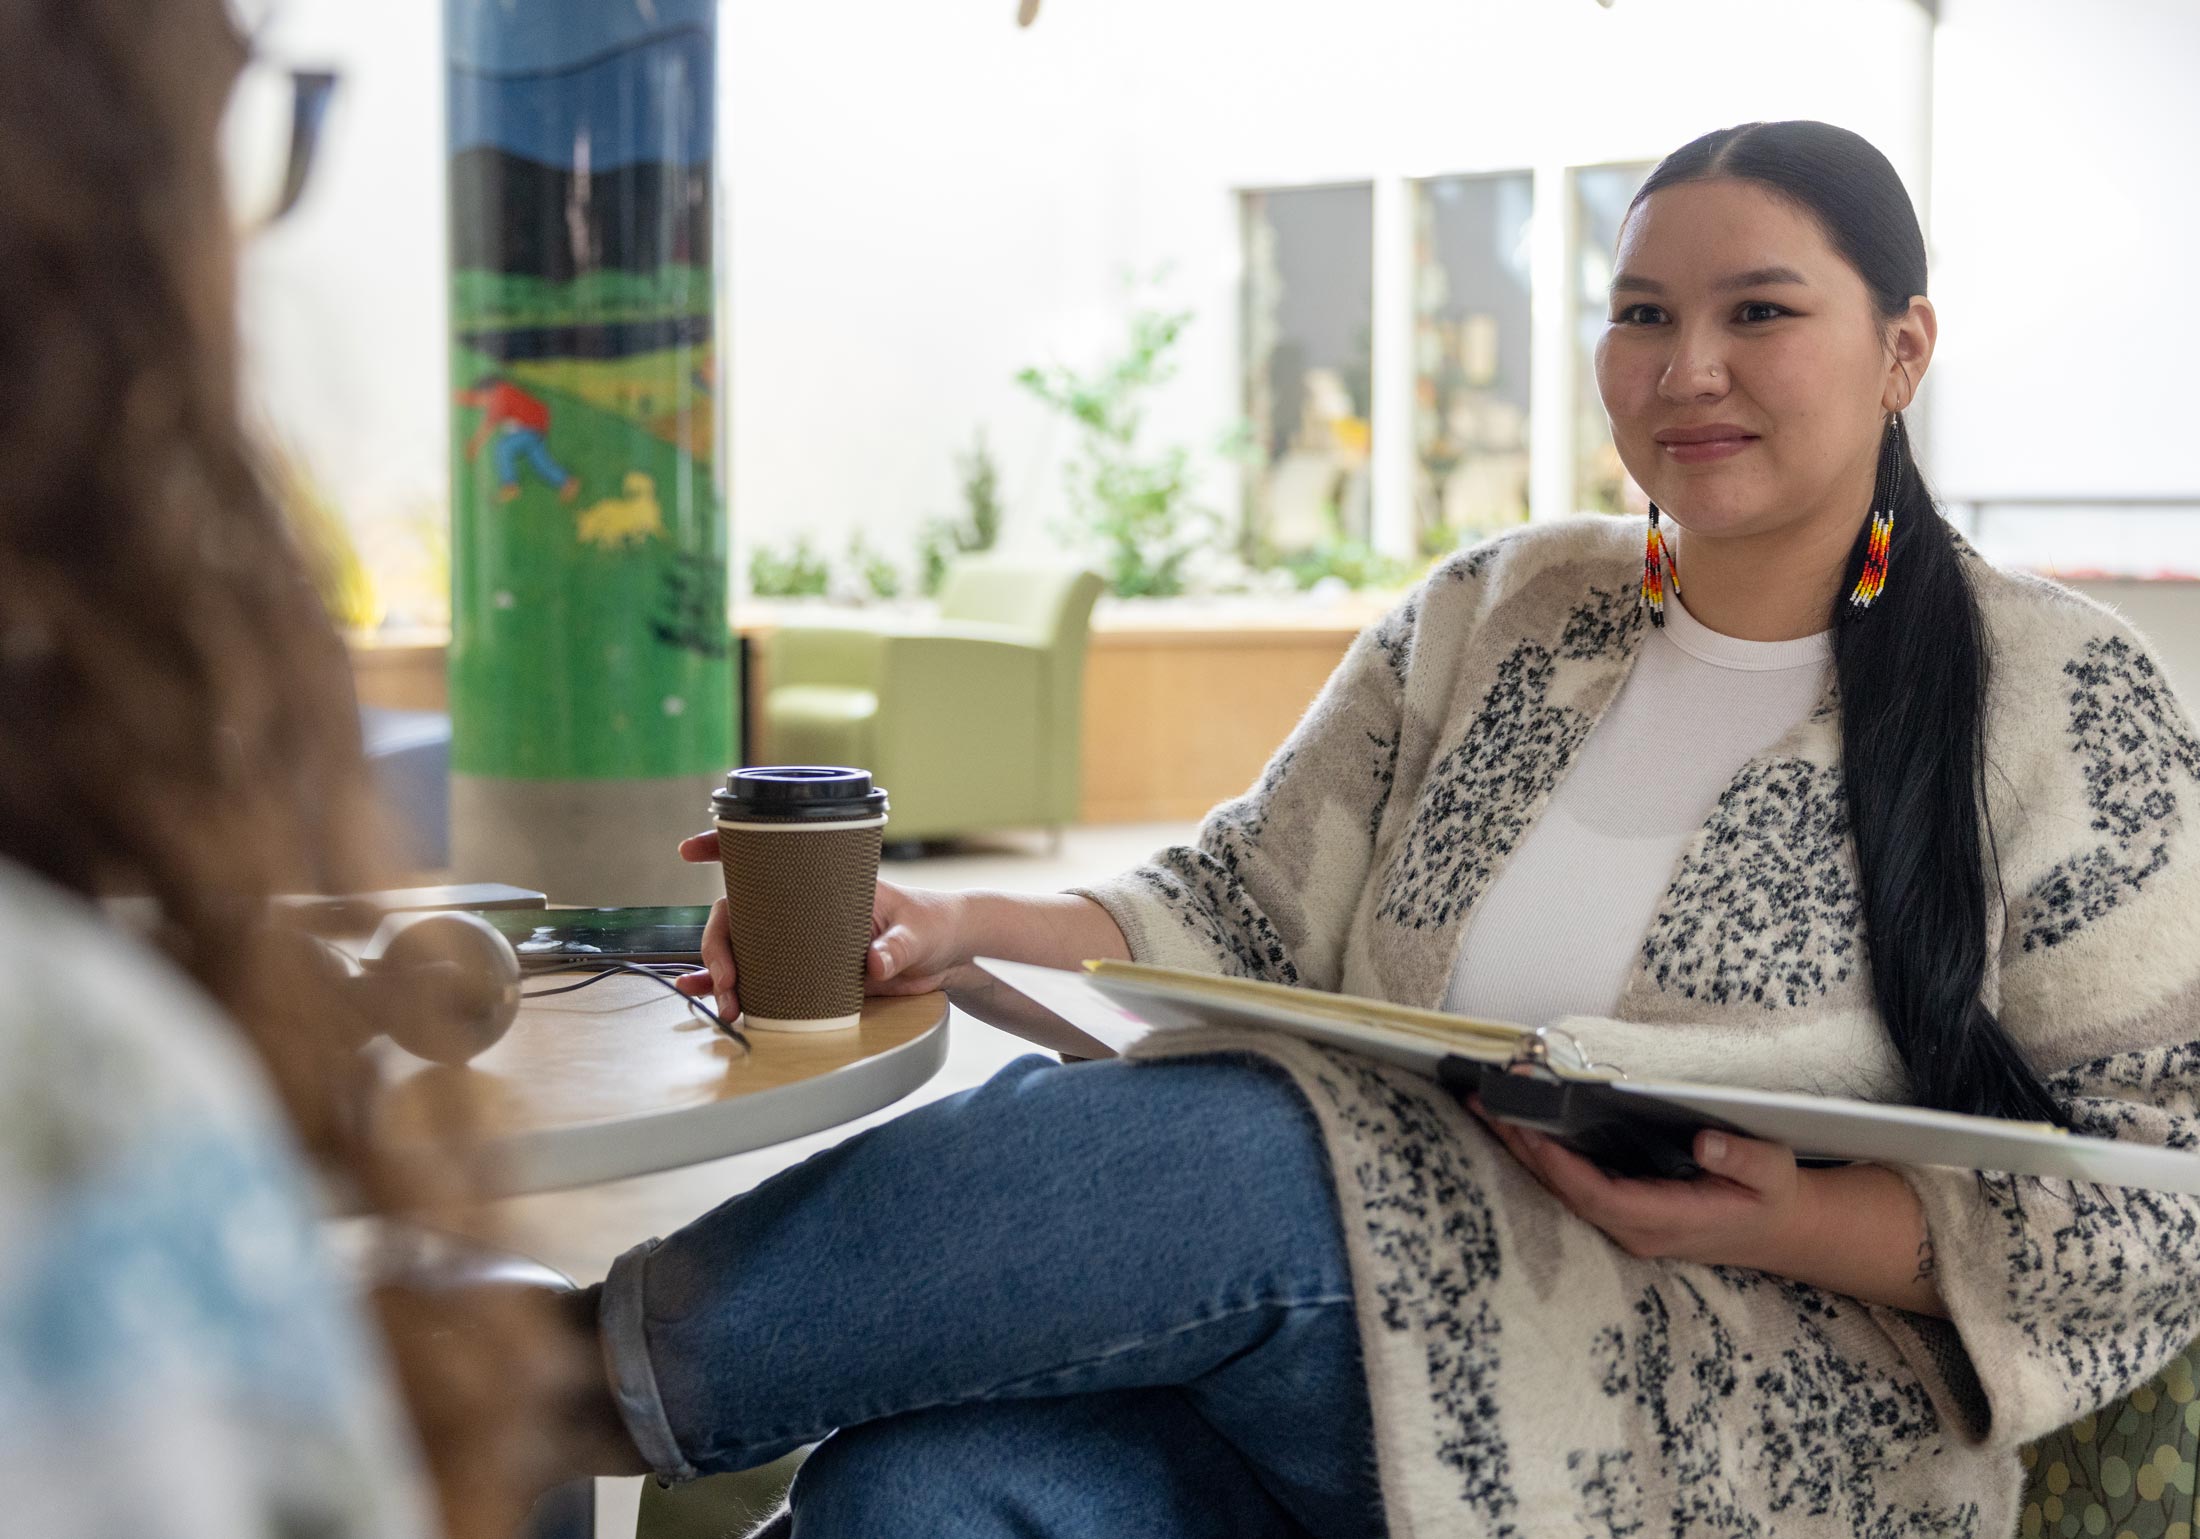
{"x":512,"y":36}
{"x":583,"y":84}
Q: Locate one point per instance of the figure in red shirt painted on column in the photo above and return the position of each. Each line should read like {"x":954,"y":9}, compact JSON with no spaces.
{"x":519,"y":422}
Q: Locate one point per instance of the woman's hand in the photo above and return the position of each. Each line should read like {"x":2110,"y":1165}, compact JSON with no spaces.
{"x":916,"y":941}
{"x":1853,"y":1229}
{"x":1747,"y":1210}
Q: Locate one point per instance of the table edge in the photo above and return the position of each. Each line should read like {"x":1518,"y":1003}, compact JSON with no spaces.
{"x":553,"y":1159}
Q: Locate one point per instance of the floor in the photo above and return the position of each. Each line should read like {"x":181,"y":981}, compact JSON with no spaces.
{"x":580,"y":1231}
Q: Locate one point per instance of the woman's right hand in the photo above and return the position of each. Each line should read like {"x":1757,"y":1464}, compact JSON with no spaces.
{"x":916,"y":941}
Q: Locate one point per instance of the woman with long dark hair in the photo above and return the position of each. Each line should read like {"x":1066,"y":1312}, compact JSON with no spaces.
{"x":179,"y":1356}
{"x":1788,"y":789}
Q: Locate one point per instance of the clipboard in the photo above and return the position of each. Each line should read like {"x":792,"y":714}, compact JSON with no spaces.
{"x":1542,"y":1078}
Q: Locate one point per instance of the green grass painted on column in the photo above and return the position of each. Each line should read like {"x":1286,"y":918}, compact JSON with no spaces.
{"x":588,"y":572}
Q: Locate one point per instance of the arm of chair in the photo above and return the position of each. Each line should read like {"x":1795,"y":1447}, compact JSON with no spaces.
{"x":859,"y":654}
{"x":828,"y":654}
{"x":959,"y":675}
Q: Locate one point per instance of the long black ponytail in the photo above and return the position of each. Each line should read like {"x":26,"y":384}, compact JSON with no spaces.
{"x":1911,"y":670}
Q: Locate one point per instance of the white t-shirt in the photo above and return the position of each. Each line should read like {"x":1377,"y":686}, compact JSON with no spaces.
{"x":1557,"y":932}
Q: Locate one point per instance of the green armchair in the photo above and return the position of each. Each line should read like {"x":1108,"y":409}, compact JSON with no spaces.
{"x":973,"y":722}
{"x":2125,"y":1472}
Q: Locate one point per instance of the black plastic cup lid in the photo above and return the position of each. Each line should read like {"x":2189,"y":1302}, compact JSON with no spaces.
{"x":798,"y":793}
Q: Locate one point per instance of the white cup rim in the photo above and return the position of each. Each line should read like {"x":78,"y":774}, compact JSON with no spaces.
{"x":830,"y":825}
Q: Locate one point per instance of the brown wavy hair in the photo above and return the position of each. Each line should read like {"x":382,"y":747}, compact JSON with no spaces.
{"x":177,"y":720}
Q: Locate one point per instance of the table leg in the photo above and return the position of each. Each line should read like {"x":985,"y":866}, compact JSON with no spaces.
{"x":746,"y":706}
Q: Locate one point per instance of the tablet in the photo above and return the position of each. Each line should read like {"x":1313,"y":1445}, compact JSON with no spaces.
{"x":569,"y":937}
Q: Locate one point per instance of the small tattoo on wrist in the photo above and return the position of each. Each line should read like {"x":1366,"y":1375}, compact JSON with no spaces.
{"x":1925,"y":1266}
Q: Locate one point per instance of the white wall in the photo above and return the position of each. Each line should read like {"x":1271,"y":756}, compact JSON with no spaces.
{"x":2064,"y":226}
{"x":924,"y":199}
{"x":344,"y":303}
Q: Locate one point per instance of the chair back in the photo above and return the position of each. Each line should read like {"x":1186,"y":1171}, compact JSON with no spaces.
{"x":2127,"y":1468}
{"x":1052,"y":603}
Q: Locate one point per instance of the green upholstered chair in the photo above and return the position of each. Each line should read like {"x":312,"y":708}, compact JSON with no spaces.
{"x":2125,"y":1472}
{"x":970,"y":722}
{"x":731,"y":1506}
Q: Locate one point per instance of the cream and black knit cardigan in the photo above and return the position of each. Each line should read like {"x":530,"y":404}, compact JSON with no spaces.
{"x":1528,"y":1376}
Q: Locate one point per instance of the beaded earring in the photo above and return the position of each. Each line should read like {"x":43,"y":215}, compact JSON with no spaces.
{"x":1889,"y":487}
{"x":1658,"y":569}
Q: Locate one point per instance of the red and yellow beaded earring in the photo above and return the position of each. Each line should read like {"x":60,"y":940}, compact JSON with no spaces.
{"x":1888,"y":488}
{"x":1659,"y":570}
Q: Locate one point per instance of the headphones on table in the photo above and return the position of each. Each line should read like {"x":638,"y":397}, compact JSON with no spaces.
{"x":445,"y":985}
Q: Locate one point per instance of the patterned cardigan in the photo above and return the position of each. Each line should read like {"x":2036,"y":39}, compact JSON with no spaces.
{"x":1531,"y":1378}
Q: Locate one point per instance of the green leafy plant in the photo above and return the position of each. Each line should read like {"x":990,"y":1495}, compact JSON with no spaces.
{"x":1434,"y":540}
{"x":943,"y":539}
{"x":1355,"y":562}
{"x":797,"y":572}
{"x":1135,"y":502}
{"x":1350,"y":560}
{"x":877,"y":573}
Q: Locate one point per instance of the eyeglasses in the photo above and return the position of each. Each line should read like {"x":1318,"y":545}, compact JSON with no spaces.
{"x":271,"y":133}
{"x":251,"y":17}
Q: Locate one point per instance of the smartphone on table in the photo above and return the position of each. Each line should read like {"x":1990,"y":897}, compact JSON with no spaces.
{"x":552,"y":938}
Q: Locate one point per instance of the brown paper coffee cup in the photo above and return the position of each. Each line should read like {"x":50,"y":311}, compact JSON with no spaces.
{"x":799,"y":845}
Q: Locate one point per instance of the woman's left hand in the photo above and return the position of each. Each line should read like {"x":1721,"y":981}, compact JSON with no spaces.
{"x":1745,"y":1210}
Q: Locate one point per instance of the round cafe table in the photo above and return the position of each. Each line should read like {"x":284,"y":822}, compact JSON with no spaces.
{"x":621,"y":1079}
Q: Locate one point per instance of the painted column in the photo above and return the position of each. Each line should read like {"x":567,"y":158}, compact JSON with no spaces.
{"x":591,"y":672}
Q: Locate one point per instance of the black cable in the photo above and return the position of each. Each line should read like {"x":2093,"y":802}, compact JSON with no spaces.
{"x":606,"y":967}
{"x":600,"y":974}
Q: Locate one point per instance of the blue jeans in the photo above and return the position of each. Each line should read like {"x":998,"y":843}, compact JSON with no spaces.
{"x":526,"y":444}
{"x":1100,"y":1299}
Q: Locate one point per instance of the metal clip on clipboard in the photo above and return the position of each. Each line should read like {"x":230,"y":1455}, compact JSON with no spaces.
{"x":1547,"y":1045}
{"x":1551,"y":1085}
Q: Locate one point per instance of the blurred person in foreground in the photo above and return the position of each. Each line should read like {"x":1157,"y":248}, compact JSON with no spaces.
{"x":178,"y":1357}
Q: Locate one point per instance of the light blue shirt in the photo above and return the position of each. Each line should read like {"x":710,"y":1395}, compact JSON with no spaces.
{"x":179,"y":1358}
